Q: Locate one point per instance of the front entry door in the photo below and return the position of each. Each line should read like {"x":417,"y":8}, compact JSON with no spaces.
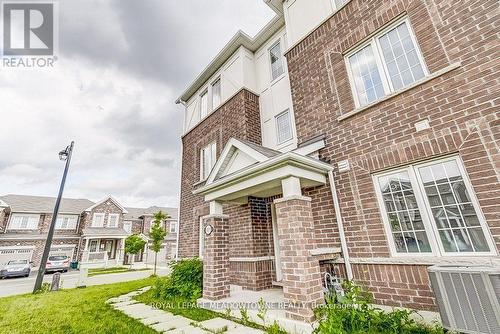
{"x":109,"y":247}
{"x":277,"y":257}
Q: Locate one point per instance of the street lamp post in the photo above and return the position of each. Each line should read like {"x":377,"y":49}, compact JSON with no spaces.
{"x":64,"y":155}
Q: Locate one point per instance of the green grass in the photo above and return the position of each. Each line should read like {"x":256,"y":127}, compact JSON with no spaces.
{"x":70,"y":311}
{"x":112,"y":270}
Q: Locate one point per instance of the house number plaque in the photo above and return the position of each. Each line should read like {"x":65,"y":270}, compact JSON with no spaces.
{"x":209,"y":229}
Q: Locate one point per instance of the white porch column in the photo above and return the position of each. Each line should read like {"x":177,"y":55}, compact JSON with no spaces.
{"x":291,"y":187}
{"x":215,"y":208}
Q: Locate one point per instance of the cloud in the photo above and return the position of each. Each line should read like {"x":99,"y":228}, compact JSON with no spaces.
{"x":122,"y":63}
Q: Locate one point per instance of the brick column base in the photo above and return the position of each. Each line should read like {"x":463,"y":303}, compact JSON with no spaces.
{"x":302,"y":284}
{"x":216,"y":258}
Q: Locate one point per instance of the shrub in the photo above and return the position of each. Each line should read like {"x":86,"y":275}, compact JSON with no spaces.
{"x":353,"y":313}
{"x":185,"y":281}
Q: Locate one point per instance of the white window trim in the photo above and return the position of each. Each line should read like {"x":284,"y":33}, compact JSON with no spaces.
{"x":283,"y":61}
{"x":431,"y":230}
{"x":94,"y":216}
{"x":381,"y":66}
{"x":203,"y":92}
{"x":202,"y":160}
{"x":109,"y":219}
{"x":174,"y":225}
{"x":287,"y":111}
{"x":36,"y":216}
{"x":213,"y":107}
{"x":62,"y":217}
{"x":127,"y":223}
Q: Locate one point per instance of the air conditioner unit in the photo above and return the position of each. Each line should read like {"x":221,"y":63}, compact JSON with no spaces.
{"x":468,"y":298}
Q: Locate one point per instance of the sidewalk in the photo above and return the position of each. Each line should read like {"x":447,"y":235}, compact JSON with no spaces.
{"x":165,"y":322}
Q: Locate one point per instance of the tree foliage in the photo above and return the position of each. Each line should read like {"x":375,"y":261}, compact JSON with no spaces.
{"x":134,"y":244}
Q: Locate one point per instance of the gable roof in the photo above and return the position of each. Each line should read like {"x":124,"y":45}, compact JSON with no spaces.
{"x":136,"y":213}
{"x":239,"y":39}
{"x":111,"y":198}
{"x":42,"y":204}
{"x":254,"y":153}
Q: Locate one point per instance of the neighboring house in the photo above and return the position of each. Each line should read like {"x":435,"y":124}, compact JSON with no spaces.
{"x":355,"y":136}
{"x":85,"y":231}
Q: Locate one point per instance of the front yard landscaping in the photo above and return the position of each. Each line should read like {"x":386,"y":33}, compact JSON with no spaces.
{"x":112,"y":270}
{"x":70,"y":311}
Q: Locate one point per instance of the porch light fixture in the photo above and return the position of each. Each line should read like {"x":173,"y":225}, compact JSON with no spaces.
{"x":64,"y":155}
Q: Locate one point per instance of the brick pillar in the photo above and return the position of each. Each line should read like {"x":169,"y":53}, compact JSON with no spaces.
{"x":302,"y":284}
{"x":216,"y":258}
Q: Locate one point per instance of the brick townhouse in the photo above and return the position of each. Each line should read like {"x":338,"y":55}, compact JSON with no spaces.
{"x":88,"y":232}
{"x":359,"y":138}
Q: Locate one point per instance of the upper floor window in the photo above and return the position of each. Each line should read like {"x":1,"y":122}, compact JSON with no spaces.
{"x":216,"y":94}
{"x":207,"y":159}
{"x":430,"y":208}
{"x":204,"y":104}
{"x":389,"y":61}
{"x":113,"y":219}
{"x":173,"y":227}
{"x":127,"y":226}
{"x":24,"y":222}
{"x":98,"y":220}
{"x":284,"y":127}
{"x":276,"y":58}
{"x":66,"y":222}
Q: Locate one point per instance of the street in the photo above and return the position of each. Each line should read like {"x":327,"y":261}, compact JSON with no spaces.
{"x":15,"y":286}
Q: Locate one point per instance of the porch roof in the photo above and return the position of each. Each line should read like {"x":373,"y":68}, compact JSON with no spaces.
{"x":104,"y":232}
{"x":263,"y":178}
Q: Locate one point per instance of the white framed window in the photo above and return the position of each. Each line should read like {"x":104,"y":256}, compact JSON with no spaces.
{"x":389,"y":61}
{"x":24,"y":221}
{"x":216,"y":94}
{"x":276,"y":59}
{"x":113,"y":219}
{"x":201,"y":239}
{"x":430,"y":208}
{"x":207,"y":159}
{"x":173,"y":227}
{"x":127,"y":226}
{"x":284,"y":127}
{"x":98,"y":220}
{"x":204,"y":104}
{"x":66,"y":222}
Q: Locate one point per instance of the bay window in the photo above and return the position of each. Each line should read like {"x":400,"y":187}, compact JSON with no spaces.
{"x":389,"y":61}
{"x":430,"y":208}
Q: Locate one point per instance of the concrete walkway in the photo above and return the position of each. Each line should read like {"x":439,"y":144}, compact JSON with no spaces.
{"x":165,"y":322}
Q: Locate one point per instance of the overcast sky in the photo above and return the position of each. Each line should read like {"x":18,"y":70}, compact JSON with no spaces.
{"x":121,"y":64}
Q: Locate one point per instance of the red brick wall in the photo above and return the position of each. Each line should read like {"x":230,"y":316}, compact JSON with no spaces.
{"x":108,"y":207}
{"x":239,"y":118}
{"x":461,"y":106}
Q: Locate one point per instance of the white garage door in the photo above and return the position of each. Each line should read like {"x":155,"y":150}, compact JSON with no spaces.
{"x":162,"y":256}
{"x":67,"y":250}
{"x":10,"y":253}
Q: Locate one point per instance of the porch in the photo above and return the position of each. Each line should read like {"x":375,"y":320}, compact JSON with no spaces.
{"x":101,"y":250}
{"x":253,"y":192}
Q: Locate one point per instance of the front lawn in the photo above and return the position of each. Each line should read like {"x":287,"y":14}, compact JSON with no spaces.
{"x":112,"y":270}
{"x":70,"y":311}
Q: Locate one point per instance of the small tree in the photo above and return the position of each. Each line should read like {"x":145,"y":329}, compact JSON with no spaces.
{"x":133,"y":245}
{"x":157,"y":234}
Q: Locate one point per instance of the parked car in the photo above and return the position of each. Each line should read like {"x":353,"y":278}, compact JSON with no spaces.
{"x":57,"y":263}
{"x":16,"y":268}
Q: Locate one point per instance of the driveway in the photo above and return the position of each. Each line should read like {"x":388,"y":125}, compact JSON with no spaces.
{"x":15,"y":286}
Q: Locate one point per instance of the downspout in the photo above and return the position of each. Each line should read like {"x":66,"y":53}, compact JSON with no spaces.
{"x":340,"y":223}
{"x":183,"y":103}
